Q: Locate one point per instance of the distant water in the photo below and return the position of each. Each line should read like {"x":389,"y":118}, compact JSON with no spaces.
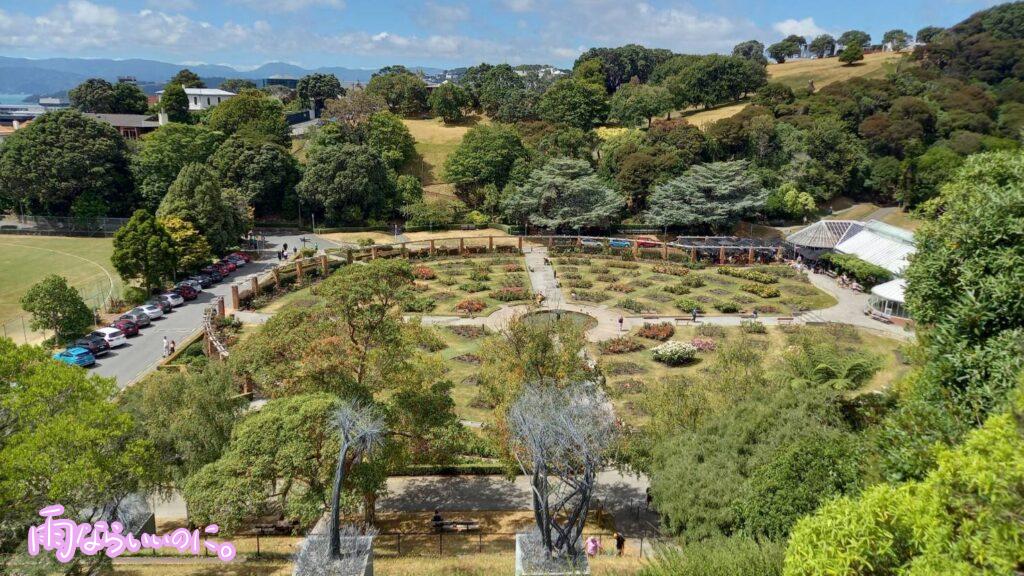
{"x":13,"y":98}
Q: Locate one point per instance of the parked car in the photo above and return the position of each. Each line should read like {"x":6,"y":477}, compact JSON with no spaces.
{"x":128,"y":327}
{"x":592,"y":243}
{"x":619,"y":243}
{"x":151,"y":310}
{"x":213,"y":273}
{"x":112,"y":336}
{"x":186,"y":291}
{"x":138,"y":316}
{"x":96,"y":345}
{"x":648,"y":244}
{"x":164,"y":307}
{"x":238,"y":261}
{"x":172,"y":298}
{"x":204,"y":280}
{"x":242,"y":255}
{"x":222,"y":268}
{"x":225,"y":263}
{"x":76,"y":356}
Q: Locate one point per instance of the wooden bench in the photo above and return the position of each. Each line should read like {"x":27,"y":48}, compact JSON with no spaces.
{"x":685,"y":320}
{"x":456,"y":526}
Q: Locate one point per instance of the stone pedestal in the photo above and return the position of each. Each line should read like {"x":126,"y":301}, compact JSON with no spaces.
{"x":526,"y":566}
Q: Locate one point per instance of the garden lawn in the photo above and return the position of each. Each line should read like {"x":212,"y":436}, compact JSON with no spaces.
{"x":469,"y":285}
{"x":434,"y":142}
{"x":631,"y":376}
{"x":84,"y":262}
{"x":462,"y":362}
{"x":666,"y":288}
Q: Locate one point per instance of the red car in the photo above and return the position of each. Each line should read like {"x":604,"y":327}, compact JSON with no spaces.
{"x":242,"y":255}
{"x":229,"y":265}
{"x":187,"y":292}
{"x":127,"y":326}
{"x":648,"y":244}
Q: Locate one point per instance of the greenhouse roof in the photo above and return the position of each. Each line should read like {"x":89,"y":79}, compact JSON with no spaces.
{"x":824,"y":233}
{"x":880,"y":244}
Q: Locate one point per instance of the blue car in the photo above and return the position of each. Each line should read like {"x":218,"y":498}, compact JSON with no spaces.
{"x":76,"y":357}
{"x":619,"y":243}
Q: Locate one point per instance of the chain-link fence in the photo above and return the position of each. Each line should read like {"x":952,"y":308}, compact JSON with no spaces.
{"x":60,"y":225}
{"x":97,"y":296}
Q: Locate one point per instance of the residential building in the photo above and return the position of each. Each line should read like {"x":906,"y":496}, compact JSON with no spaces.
{"x":131,"y":126}
{"x":204,"y":98}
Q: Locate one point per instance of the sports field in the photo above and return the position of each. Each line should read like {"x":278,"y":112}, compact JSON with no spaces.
{"x":25,"y":260}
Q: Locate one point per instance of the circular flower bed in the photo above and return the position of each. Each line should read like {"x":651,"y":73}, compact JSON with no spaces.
{"x":423,"y":273}
{"x":471,"y":306}
{"x":661,"y":331}
{"x":675,"y":353}
{"x":621,"y":345}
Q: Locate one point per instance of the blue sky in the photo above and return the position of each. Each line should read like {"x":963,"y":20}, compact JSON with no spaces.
{"x":443,"y":33}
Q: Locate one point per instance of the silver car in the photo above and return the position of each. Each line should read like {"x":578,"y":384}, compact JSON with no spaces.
{"x":138,"y":316}
{"x":151,"y":310}
{"x":172,"y":298}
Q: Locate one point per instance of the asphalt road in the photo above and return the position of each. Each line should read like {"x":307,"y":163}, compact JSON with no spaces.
{"x":143,"y":353}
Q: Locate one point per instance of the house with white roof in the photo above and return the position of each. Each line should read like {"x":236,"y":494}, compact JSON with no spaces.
{"x":203,"y":98}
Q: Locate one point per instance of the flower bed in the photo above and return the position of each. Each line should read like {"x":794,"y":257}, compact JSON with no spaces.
{"x":671,"y":270}
{"x":591,"y":295}
{"x":675,"y":353}
{"x":579,"y":283}
{"x":727,"y":307}
{"x":621,"y":345}
{"x":704,"y":344}
{"x":513,"y":267}
{"x":661,"y":331}
{"x":471,"y":306}
{"x":472,"y":287}
{"x":623,"y":264}
{"x":423,"y":273}
{"x":761,"y":290}
{"x":511,"y":294}
{"x":753,"y":327}
{"x":468,"y":331}
{"x":633,"y":305}
{"x":677,"y":289}
{"x":688,"y":304}
{"x":621,"y":287}
{"x":748,"y":274}
{"x":423,"y":304}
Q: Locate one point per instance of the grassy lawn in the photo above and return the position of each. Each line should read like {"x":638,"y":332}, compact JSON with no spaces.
{"x":434,"y":142}
{"x":630,"y":376}
{"x":462,"y":363}
{"x":84,"y":262}
{"x":442,"y":285}
{"x":903,"y":220}
{"x":644,"y":287}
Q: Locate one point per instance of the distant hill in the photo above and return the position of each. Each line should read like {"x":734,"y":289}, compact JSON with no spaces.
{"x":53,"y":75}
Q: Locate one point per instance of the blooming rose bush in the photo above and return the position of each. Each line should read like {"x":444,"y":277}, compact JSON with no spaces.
{"x":675,"y":353}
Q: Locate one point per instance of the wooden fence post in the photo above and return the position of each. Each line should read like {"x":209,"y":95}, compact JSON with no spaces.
{"x":750,"y":255}
{"x":693,"y":254}
{"x":664,"y":250}
{"x":325,"y":269}
{"x":721,"y":255}
{"x":298,"y":272}
{"x":520,"y":244}
{"x":220,"y":307}
{"x":254,"y":283}
{"x":431,"y":248}
{"x":490,"y":243}
{"x":462,"y":246}
{"x":277,"y":276}
{"x":373,"y":252}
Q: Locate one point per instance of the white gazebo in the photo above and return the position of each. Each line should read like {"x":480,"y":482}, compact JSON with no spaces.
{"x":888,"y":299}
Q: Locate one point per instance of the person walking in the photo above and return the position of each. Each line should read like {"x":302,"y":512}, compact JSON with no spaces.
{"x":620,"y":544}
{"x":693,"y":314}
{"x":592,"y":546}
{"x":620,"y":323}
{"x":166,"y":347}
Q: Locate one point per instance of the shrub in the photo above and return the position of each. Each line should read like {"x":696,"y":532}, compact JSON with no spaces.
{"x":675,"y":353}
{"x":513,"y":267}
{"x":621,"y":287}
{"x":661,"y":331}
{"x":727,"y":307}
{"x":422,"y":304}
{"x":579,"y":284}
{"x":513,"y":280}
{"x":448,"y":281}
{"x":753,"y":327}
{"x":761,"y":290}
{"x":472,"y":287}
{"x":688,"y":305}
{"x":479,"y":276}
{"x":642,"y":283}
{"x":591,"y":296}
{"x":677,"y":289}
{"x":423,"y":273}
{"x":710,"y":331}
{"x":693,"y":281}
{"x":511,"y":294}
{"x":599,"y":269}
{"x":607,"y":277}
{"x":624,"y":368}
{"x":468,"y":331}
{"x":471,"y":305}
{"x":748,"y":274}
{"x":704,"y":344}
{"x":572,"y":275}
{"x":623,"y":264}
{"x":633,"y":305}
{"x":862,"y":272}
{"x":671,"y":270}
{"x":766,"y":309}
{"x":735,"y":556}
{"x":621,"y":345}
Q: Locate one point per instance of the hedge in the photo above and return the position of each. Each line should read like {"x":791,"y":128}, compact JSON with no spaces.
{"x":864,"y":273}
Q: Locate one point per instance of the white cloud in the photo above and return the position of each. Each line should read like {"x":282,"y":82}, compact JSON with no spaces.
{"x":442,"y":17}
{"x":518,"y":5}
{"x":805,"y":27}
{"x":289,"y":5}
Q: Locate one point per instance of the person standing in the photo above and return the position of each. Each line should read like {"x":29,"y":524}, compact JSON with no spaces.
{"x":620,"y":323}
{"x":173,"y":347}
{"x":694,"y":314}
{"x":592,"y":546}
{"x":166,"y":347}
{"x":620,"y":544}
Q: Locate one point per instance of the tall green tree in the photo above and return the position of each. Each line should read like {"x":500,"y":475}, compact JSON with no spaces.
{"x":751,"y":50}
{"x":578,"y":104}
{"x":174,"y":102}
{"x":713,"y":80}
{"x":61,"y":156}
{"x":485,"y":156}
{"x":237,"y":85}
{"x":99,"y":96}
{"x":315,"y":89}
{"x":57,"y":307}
{"x":389,"y":137}
{"x":253,"y":115}
{"x":264,"y":173}
{"x":187,"y":79}
{"x":823,"y":46}
{"x":928,"y":33}
{"x":404,"y":92}
{"x":708,"y":196}
{"x":162,"y":154}
{"x":63,"y":441}
{"x":191,"y":250}
{"x":349,"y":182}
{"x":782,"y":50}
{"x":499,"y":84}
{"x":633,"y":103}
{"x":855,"y":38}
{"x":448,"y":101}
{"x":852,"y":54}
{"x":564,"y":195}
{"x":196,"y":197}
{"x":143,"y":250}
{"x":897,"y":39}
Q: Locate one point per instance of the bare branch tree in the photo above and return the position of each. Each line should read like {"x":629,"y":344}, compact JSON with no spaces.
{"x":560,"y":437}
{"x":361,"y":428}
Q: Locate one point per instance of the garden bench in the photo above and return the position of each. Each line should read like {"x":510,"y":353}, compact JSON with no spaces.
{"x":685,"y":320}
{"x":456,"y":526}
